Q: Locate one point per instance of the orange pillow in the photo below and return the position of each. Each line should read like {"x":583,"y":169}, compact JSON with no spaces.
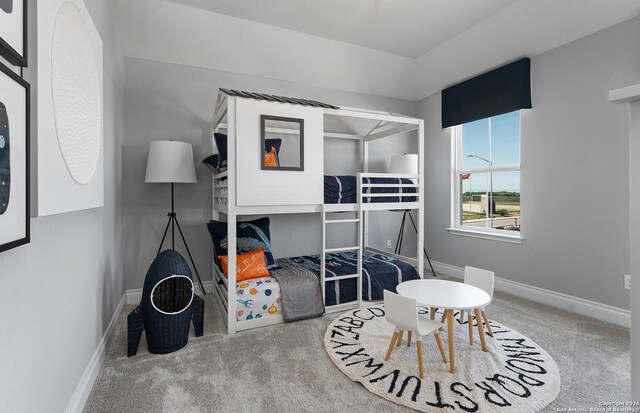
{"x":248,"y":265}
{"x":270,"y":158}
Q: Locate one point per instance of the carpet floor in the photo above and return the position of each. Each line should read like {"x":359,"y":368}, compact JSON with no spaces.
{"x":284,"y":368}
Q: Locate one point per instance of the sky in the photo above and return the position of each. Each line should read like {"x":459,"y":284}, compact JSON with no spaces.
{"x":505,"y":150}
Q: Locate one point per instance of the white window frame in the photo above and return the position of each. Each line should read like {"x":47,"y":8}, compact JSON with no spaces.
{"x":456,"y":171}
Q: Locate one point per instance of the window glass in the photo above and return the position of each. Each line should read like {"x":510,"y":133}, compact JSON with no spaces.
{"x":475,"y":144}
{"x":487,"y":173}
{"x":505,"y":198}
{"x":475,"y":187}
{"x":505,"y":139}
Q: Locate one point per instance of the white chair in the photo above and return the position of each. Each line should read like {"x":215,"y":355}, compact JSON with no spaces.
{"x":402,"y":312}
{"x":482,"y":279}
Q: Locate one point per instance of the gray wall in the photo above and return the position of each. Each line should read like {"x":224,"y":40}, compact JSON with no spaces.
{"x":58,"y":293}
{"x":574,"y":179}
{"x":168,"y":101}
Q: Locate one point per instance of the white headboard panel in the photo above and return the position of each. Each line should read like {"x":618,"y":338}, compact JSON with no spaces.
{"x":272,"y":187}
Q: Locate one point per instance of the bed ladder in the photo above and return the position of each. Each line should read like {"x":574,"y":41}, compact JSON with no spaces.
{"x":328,"y":209}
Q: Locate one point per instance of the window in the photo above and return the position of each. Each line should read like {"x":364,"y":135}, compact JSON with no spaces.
{"x":486,"y":177}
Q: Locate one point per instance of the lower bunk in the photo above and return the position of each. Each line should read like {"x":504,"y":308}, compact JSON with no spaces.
{"x":260,"y":300}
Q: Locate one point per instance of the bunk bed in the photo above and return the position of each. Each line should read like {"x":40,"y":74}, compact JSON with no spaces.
{"x":245,"y":187}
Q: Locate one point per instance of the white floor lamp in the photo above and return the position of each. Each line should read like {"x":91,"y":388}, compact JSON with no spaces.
{"x":406,"y":164}
{"x":172,"y":162}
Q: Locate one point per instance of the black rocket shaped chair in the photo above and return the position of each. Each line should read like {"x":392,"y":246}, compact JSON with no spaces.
{"x":168,"y":306}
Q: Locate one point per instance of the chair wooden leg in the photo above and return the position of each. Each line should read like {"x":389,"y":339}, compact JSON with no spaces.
{"x":486,"y":322}
{"x":461,"y":316}
{"x":399,"y":341}
{"x":409,"y":339}
{"x":420,"y":359}
{"x":393,"y":341}
{"x":470,"y":318}
{"x":480,"y":329}
{"x":439,"y":341}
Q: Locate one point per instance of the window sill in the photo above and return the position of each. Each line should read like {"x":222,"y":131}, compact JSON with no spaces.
{"x":494,"y":236}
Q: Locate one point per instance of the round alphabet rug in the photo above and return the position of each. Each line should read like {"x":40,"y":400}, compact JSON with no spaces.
{"x":514,"y":375}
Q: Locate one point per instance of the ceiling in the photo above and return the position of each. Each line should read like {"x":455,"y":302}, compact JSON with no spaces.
{"x":414,"y":48}
{"x":409,"y":28}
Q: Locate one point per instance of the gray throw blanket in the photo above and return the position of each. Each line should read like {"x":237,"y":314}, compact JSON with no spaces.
{"x":300,"y":290}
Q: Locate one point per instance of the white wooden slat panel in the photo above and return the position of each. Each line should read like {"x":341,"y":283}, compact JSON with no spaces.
{"x":257,"y":187}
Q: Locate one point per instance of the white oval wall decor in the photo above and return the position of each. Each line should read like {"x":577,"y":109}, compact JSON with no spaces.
{"x":76,"y":94}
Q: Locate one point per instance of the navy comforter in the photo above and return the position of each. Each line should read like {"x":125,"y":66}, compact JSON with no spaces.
{"x":379,"y":273}
{"x":343,"y":189}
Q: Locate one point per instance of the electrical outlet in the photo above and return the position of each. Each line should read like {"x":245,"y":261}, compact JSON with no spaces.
{"x":389,"y":243}
{"x":627,"y":282}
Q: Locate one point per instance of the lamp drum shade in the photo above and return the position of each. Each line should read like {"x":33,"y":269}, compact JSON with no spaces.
{"x":404,"y":164}
{"x":170,"y":161}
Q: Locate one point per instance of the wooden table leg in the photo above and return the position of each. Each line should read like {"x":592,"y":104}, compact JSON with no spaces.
{"x":432,"y":312}
{"x":470,"y":318}
{"x":420,"y":368}
{"x":400,"y":338}
{"x":450,"y":327}
{"x":409,"y":339}
{"x":480,"y":328}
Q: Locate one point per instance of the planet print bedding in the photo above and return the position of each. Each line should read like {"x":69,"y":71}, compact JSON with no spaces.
{"x":257,"y":298}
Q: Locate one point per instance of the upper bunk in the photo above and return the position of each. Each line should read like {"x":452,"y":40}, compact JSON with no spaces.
{"x":256,"y":124}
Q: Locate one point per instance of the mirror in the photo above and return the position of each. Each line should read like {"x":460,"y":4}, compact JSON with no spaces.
{"x":282,"y":143}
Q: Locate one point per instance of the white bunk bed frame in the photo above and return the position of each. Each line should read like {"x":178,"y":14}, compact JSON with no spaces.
{"x":225,"y":191}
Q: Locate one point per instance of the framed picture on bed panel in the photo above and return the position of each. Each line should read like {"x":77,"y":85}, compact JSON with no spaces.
{"x":13,"y":31}
{"x":286,"y":152}
{"x":14,"y":160}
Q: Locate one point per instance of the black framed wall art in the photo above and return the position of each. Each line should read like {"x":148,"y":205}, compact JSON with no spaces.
{"x":13,"y":31}
{"x":14,"y":159}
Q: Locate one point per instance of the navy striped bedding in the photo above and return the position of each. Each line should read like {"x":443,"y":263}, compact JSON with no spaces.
{"x":379,"y":273}
{"x":343,"y":189}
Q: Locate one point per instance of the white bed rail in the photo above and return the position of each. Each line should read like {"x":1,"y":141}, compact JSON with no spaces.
{"x":365,"y":195}
{"x":409,"y":260}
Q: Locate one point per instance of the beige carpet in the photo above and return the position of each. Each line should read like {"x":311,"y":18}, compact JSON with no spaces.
{"x":284,"y":368}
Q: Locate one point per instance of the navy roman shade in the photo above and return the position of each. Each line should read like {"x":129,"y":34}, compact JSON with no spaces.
{"x":499,"y":91}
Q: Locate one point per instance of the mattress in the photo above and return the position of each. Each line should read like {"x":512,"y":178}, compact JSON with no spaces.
{"x":379,"y":273}
{"x":343,"y":189}
{"x":261,"y":297}
{"x":257,"y":298}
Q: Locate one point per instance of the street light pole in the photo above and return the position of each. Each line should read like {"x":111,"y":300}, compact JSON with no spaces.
{"x":479,"y":157}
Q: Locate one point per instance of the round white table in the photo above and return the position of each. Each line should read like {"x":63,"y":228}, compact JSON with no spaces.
{"x":448,"y":295}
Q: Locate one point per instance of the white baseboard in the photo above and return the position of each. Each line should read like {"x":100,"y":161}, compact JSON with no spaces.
{"x":80,"y":396}
{"x":135,"y":296}
{"x":578,"y":305}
